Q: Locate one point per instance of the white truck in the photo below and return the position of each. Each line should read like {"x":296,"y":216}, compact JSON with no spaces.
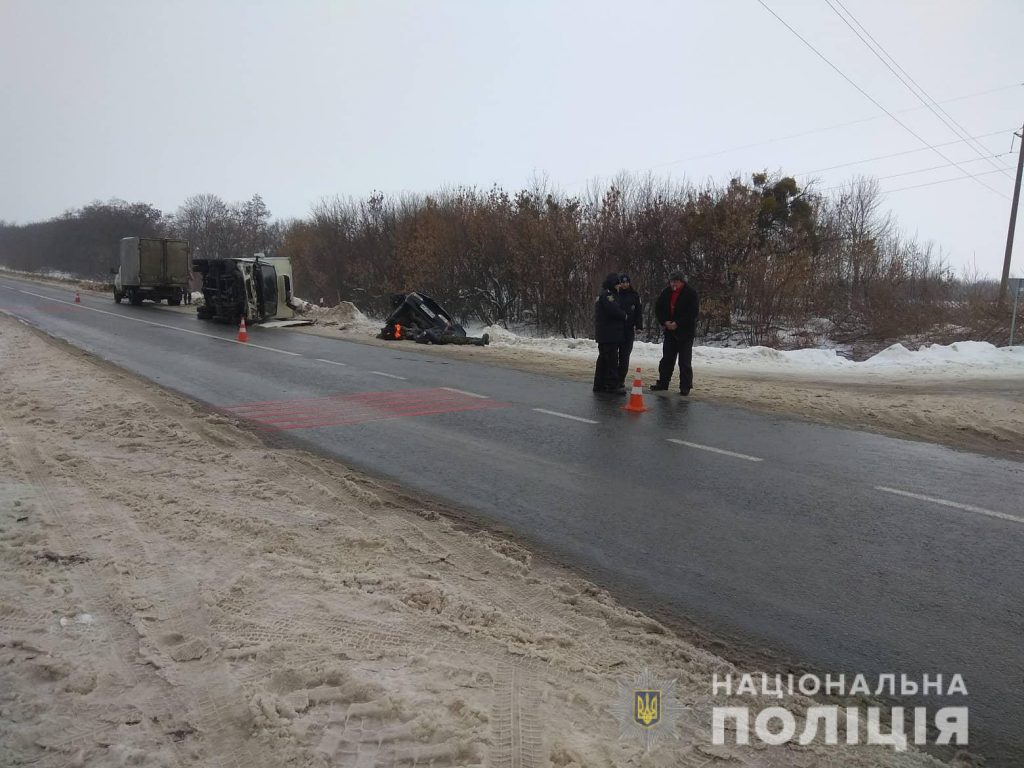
{"x":152,"y":268}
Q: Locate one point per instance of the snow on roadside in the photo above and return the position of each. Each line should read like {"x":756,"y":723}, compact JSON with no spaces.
{"x":343,"y":316}
{"x":956,"y":360}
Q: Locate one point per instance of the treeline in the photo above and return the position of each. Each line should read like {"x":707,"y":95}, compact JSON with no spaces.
{"x":763,"y":252}
{"x":84,"y":242}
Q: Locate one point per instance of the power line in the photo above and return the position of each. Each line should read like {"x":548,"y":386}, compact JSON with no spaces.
{"x":914,"y":186}
{"x":933,"y":183}
{"x":874,"y":101}
{"x":919,"y":93}
{"x":926,"y":184}
{"x":905,"y":152}
{"x":837,"y":126}
{"x":925,"y":170}
{"x":834,"y":127}
{"x":962,"y":132}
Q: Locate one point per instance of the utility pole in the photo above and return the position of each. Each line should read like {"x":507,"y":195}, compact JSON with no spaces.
{"x":1013,"y":224}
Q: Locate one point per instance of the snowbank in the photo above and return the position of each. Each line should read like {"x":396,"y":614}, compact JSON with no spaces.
{"x":344,"y":316}
{"x":962,"y":358}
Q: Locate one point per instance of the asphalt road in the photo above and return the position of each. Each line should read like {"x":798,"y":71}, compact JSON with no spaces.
{"x":842,"y":550}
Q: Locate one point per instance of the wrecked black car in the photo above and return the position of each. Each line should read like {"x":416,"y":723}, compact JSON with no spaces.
{"x":417,"y":317}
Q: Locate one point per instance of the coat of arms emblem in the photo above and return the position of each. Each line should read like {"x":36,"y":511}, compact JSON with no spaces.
{"x":647,"y":708}
{"x":647,"y":711}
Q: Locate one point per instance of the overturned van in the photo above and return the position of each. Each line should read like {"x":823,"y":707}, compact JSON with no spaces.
{"x":258,"y":289}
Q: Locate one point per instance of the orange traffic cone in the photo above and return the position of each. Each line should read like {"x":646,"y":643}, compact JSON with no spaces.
{"x":78,"y":299}
{"x":636,"y":397}
{"x":243,"y":335}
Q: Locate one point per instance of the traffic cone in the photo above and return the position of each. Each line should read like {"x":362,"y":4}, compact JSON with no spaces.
{"x":243,"y":335}
{"x":636,"y":397}
{"x":78,"y":299}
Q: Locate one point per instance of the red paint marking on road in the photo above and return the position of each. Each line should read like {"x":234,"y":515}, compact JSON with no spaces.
{"x":340,"y":410}
{"x":304,"y":415}
{"x":364,"y":420}
{"x":368,"y":396}
{"x":394,"y":400}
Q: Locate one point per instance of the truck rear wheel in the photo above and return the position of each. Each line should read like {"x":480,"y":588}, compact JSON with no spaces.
{"x":134,"y":299}
{"x":175,"y":301}
{"x":117,"y":297}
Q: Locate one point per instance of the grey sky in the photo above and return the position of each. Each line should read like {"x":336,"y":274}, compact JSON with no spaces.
{"x":156,"y":101}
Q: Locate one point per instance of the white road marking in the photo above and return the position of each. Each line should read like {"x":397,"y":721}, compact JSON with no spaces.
{"x":565,"y":416}
{"x":389,"y":375}
{"x":464,"y":392}
{"x":954,"y":504}
{"x":258,"y":346}
{"x":160,"y":325}
{"x":329,"y":362}
{"x":735,"y":455}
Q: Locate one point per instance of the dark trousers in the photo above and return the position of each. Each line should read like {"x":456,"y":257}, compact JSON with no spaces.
{"x":672,"y":347}
{"x":607,"y":369}
{"x":625,"y":350}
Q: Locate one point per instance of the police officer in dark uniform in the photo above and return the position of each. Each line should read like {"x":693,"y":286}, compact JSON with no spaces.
{"x":629,"y":300}
{"x":609,"y":333}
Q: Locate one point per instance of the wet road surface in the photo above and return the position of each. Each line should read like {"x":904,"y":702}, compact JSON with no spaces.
{"x":846,"y":551}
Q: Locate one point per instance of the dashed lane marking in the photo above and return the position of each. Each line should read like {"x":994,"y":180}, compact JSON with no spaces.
{"x":565,"y":416}
{"x":722,"y":451}
{"x":464,"y":392}
{"x":329,"y":362}
{"x":953,"y":504}
{"x":389,"y":375}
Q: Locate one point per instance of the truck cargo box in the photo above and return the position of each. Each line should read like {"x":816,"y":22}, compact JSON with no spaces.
{"x":148,"y":261}
{"x":152,"y":268}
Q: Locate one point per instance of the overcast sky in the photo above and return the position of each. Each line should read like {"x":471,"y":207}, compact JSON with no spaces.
{"x":158,"y":100}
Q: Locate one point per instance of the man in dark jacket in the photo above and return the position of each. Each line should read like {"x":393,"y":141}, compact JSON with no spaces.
{"x":676,"y":312}
{"x":629,"y":300}
{"x":609,"y":333}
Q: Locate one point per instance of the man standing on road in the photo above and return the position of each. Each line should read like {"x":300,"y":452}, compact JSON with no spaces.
{"x":609,"y":333}
{"x":676,"y":312}
{"x":629,"y":300}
